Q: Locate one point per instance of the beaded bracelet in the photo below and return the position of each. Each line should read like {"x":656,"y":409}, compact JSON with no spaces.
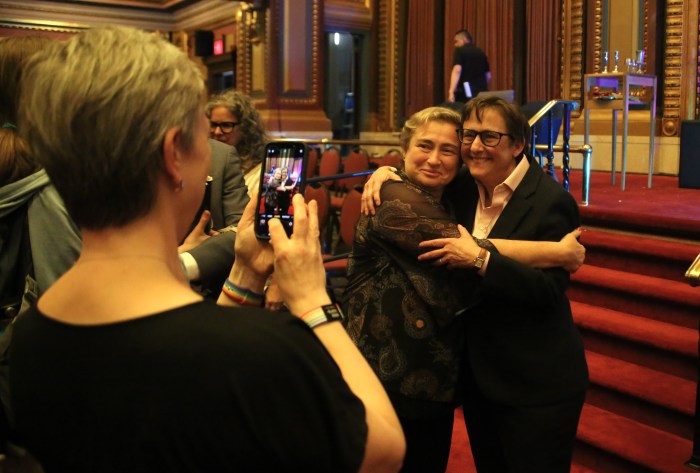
{"x":240,"y":295}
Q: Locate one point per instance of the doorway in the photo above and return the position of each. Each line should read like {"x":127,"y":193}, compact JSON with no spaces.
{"x":341,"y":98}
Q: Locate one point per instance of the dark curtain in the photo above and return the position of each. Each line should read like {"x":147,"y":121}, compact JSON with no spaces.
{"x":420,"y":56}
{"x":542,"y":65}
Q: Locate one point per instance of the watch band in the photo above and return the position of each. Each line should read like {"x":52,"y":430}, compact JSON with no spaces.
{"x":322,"y":315}
{"x":479,"y":261}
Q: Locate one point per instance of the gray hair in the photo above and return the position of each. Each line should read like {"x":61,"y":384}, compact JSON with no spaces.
{"x":96,"y":116}
{"x":427,"y":115}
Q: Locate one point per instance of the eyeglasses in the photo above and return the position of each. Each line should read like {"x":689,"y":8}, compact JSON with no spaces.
{"x":488,"y":138}
{"x":226,"y":127}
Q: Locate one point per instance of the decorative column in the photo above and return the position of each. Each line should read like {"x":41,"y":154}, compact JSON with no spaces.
{"x":281,"y":66}
{"x":680,"y":64}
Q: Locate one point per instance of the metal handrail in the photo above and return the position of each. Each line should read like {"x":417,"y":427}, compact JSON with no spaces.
{"x":692,"y":275}
{"x":335,"y":177}
{"x":331,"y":142}
{"x":550,"y":148}
{"x":585,"y":150}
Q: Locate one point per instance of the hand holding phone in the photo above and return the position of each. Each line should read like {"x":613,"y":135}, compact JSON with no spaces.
{"x":282,"y":176}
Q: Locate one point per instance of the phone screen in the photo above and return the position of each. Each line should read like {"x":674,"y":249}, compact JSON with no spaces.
{"x":282,"y":176}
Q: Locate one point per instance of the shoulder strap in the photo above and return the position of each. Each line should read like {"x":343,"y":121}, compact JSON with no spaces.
{"x":15,"y":261}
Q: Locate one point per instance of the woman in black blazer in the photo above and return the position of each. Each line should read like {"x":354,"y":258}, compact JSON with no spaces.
{"x":524,"y":372}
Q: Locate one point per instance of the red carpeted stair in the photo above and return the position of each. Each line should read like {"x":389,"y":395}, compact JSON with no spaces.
{"x":639,"y":320}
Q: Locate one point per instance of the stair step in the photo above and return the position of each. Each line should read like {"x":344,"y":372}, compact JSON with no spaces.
{"x":642,"y":330}
{"x":633,"y":441}
{"x":641,"y":244}
{"x":655,"y":298}
{"x":653,"y":386}
{"x":639,"y":254}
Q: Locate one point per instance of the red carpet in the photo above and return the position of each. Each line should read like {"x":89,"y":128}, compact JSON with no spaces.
{"x":663,"y":209}
{"x":460,"y":455}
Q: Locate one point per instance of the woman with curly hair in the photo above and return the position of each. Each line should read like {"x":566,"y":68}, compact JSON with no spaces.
{"x":234,"y":120}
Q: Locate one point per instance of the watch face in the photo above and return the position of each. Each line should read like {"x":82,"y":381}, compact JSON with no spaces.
{"x":332,"y":312}
{"x":480,"y":259}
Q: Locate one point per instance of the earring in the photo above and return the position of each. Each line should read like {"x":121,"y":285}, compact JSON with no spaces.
{"x":180,"y":186}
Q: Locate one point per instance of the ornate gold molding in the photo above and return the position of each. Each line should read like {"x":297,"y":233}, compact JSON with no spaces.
{"x":53,"y":26}
{"x":597,"y":31}
{"x":310,"y":65}
{"x":387,"y":64}
{"x":673,"y":62}
{"x":645,"y":34}
{"x":697,"y":64}
{"x":573,"y":50}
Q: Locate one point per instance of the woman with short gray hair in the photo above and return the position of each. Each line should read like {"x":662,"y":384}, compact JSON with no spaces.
{"x":121,"y":366}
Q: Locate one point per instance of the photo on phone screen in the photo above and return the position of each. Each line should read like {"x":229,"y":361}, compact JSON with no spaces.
{"x":282,"y":176}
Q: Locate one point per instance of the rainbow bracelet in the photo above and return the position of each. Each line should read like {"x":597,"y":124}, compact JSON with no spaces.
{"x":242,"y":296}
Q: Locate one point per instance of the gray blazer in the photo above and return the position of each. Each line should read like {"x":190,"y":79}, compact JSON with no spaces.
{"x":229,"y":194}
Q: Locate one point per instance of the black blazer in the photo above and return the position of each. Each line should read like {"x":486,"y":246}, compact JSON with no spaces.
{"x":521,"y":342}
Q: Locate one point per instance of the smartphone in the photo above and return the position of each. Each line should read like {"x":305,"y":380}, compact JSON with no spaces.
{"x":282,"y":175}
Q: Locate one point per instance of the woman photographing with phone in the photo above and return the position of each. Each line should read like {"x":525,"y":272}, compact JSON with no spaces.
{"x":121,"y":366}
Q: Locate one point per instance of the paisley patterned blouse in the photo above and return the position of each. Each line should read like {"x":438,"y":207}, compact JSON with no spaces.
{"x":403,"y":314}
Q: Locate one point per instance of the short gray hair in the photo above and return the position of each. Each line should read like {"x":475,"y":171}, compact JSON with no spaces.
{"x":96,"y":115}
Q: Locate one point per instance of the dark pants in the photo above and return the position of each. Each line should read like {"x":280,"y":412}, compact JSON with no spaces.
{"x":521,"y":439}
{"x":427,"y":444}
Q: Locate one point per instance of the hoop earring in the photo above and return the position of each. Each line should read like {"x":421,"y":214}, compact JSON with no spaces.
{"x":180,"y":186}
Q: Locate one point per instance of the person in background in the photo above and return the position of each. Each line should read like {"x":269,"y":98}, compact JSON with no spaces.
{"x":271,"y":193}
{"x":228,"y":192}
{"x":206,"y":258}
{"x":54,"y":240}
{"x":234,"y":120}
{"x":120,"y":366}
{"x":406,"y":316}
{"x":285,"y":190}
{"x":469,"y":66}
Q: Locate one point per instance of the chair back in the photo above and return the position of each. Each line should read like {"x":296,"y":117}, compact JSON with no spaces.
{"x":329,"y":164}
{"x":356,"y":161}
{"x":392,"y":158}
{"x":312,"y":163}
{"x":349,"y":214}
{"x":319,"y":192}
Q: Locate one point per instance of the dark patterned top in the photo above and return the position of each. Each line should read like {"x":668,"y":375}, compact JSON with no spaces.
{"x":403,"y":313}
